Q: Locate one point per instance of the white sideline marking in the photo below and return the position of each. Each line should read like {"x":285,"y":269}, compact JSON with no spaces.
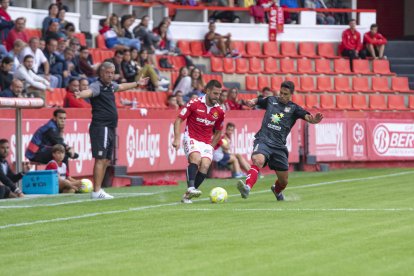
{"x":301,"y":210}
{"x":177,"y":203}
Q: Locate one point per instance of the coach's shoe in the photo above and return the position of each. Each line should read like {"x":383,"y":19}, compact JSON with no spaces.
{"x":243,"y":189}
{"x":101,"y":195}
{"x":279,"y":196}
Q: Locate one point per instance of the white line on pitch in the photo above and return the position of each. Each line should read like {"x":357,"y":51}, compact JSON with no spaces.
{"x":299,"y":209}
{"x":177,"y":203}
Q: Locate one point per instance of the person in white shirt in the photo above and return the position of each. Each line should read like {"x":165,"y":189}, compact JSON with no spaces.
{"x":38,"y":60}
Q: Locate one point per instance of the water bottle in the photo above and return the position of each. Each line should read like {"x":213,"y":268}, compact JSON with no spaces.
{"x":134,"y":103}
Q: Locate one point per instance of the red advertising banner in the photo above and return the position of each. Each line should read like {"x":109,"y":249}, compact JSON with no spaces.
{"x":390,"y":139}
{"x":357,"y":140}
{"x":328,"y":140}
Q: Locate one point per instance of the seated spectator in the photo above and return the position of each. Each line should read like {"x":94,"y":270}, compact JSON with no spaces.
{"x":53,"y":14}
{"x":183,"y":72}
{"x":74,"y":44}
{"x":192,"y":84}
{"x":117,"y":60}
{"x":223,"y":98}
{"x":374,"y":43}
{"x":14,"y":91}
{"x":218,"y":45}
{"x":351,"y":45}
{"x":86,"y":67}
{"x":172,"y":102}
{"x":290,"y":18}
{"x":41,"y":65}
{"x":53,"y":31}
{"x":84,"y":85}
{"x":112,"y":40}
{"x":45,"y":137}
{"x":8,"y":178}
{"x":179,"y":97}
{"x":35,"y":84}
{"x":226,"y":159}
{"x":71,"y":64}
{"x":6,"y":23}
{"x":70,"y":99}
{"x":69,"y":31}
{"x":115,"y":25}
{"x":126,"y":22}
{"x":321,"y":18}
{"x":18,"y":32}
{"x":148,"y":38}
{"x":61,"y":47}
{"x":58,"y":66}
{"x":5,"y":73}
{"x":233,"y":103}
{"x":42,"y":44}
{"x":18,"y":47}
{"x":166,"y":45}
{"x":67,"y":184}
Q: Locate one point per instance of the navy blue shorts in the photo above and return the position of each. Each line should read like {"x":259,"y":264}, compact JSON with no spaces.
{"x":276,"y":158}
{"x":102,"y":141}
{"x":224,"y":161}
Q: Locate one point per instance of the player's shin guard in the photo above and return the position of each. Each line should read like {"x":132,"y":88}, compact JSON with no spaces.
{"x":191,"y":174}
{"x":279,"y":187}
{"x":252,"y":176}
{"x":199,"y":179}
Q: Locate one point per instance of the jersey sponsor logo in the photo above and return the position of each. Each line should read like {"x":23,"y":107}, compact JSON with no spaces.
{"x":277,"y":117}
{"x":205,"y":121}
{"x":394,"y":140}
{"x":200,"y":110}
{"x":278,"y":128}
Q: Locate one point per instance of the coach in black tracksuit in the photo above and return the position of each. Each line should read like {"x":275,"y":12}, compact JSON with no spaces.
{"x":104,"y":121}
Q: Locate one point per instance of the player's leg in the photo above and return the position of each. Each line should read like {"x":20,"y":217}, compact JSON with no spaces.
{"x":194,"y":160}
{"x":202,"y":171}
{"x":280,"y":184}
{"x":278,"y":161}
{"x":235,"y":166}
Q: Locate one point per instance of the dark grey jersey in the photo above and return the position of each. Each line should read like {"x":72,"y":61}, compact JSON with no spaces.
{"x":104,"y":112}
{"x":278,"y":120}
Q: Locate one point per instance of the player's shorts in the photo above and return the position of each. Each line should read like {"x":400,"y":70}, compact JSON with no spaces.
{"x":102,"y":141}
{"x":224,"y":161}
{"x":192,"y":145}
{"x":276,"y":158}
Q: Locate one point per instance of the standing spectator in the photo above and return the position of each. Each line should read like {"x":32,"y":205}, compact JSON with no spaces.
{"x":7,"y":176}
{"x":35,"y":84}
{"x":374,"y":43}
{"x":351,"y":45}
{"x":58,"y":67}
{"x":217,"y":44}
{"x":18,"y":47}
{"x":70,"y":99}
{"x":6,"y":23}
{"x":5,"y":76}
{"x":15,"y":90}
{"x":116,"y":61}
{"x":53,"y":14}
{"x":233,"y":103}
{"x":18,"y":32}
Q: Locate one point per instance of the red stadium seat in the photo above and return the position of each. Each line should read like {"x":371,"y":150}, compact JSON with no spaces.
{"x":263,"y":81}
{"x":228,"y":66}
{"x":142,"y":99}
{"x":197,"y":48}
{"x":324,"y":84}
{"x":323,"y":66}
{"x":270,"y":49}
{"x":178,"y":61}
{"x":293,"y":79}
{"x":242,"y":66}
{"x":184,"y":47}
{"x":270,"y":66}
{"x":33,"y":33}
{"x":287,"y":65}
{"x":307,"y":49}
{"x":307,"y":84}
{"x":396,"y":102}
{"x":361,"y":66}
{"x":342,"y":66}
{"x":162,"y":98}
{"x":255,"y":66}
{"x":288,"y":49}
{"x":400,"y":84}
{"x":382,"y":67}
{"x":380,"y":84}
{"x":209,"y":77}
{"x":305,"y":66}
{"x":360,"y":84}
{"x":251,"y":83}
{"x":81,"y":37}
{"x":377,"y":102}
{"x":298,"y":99}
{"x":254,"y":49}
{"x":343,"y":102}
{"x":276,"y":82}
{"x":216,"y":64}
{"x":326,"y":50}
{"x":411,"y":102}
{"x":100,"y":42}
{"x":106,"y":54}
{"x":327,"y":101}
{"x":239,"y":46}
{"x":96,"y":55}
{"x":359,"y":102}
{"x":341,"y":84}
{"x":312,"y":101}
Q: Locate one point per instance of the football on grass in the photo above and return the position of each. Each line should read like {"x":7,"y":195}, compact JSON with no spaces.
{"x":218,"y":195}
{"x":86,"y":186}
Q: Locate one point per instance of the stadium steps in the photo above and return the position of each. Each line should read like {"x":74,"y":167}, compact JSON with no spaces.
{"x":400,"y":54}
{"x":122,"y":179}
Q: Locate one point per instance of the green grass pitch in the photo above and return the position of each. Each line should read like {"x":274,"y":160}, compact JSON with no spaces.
{"x":347,"y":222}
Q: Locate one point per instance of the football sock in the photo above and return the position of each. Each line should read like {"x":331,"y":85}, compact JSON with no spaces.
{"x":252,"y":175}
{"x":279,"y":187}
{"x":199,"y":179}
{"x":191,"y":174}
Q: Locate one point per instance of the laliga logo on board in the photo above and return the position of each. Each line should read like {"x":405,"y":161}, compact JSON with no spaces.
{"x":144,"y":145}
{"x":358,"y":133}
{"x":130,"y":142}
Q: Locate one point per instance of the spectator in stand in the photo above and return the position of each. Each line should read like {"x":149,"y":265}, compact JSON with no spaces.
{"x":35,"y":84}
{"x":145,"y":59}
{"x":67,"y":184}
{"x":83,"y":85}
{"x":191,"y":85}
{"x":58,"y":66}
{"x":321,"y":18}
{"x":62,"y":20}
{"x":290,"y":18}
{"x":7,"y":176}
{"x":38,"y":60}
{"x":115,"y":25}
{"x":18,"y":32}
{"x":70,"y":99}
{"x":374,"y":43}
{"x":53,"y":15}
{"x":86,"y":67}
{"x":233,"y":103}
{"x":18,"y":47}
{"x":181,"y":74}
{"x":148,"y":38}
{"x":6,"y":23}
{"x":74,"y":44}
{"x":166,"y":46}
{"x":61,"y":5}
{"x":62,"y":45}
{"x":5,"y":76}
{"x":15,"y":90}
{"x":112,"y":40}
{"x":69,"y":31}
{"x":351,"y":45}
{"x":116,"y":61}
{"x":223,"y":98}
{"x":223,"y":16}
{"x":45,"y":137}
{"x":70,"y":63}
{"x":218,"y":45}
{"x":172,"y":102}
{"x":179,"y":97}
{"x":126,"y":22}
{"x":42,"y":44}
{"x":53,"y":31}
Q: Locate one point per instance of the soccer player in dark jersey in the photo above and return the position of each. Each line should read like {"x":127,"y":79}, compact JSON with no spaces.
{"x":202,"y":133}
{"x":104,"y":121}
{"x":270,"y":143}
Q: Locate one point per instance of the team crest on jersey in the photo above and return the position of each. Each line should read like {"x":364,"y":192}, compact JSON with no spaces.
{"x":287,"y":109}
{"x":215,"y":115}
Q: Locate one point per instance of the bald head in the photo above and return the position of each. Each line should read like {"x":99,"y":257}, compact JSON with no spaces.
{"x":16,"y":87}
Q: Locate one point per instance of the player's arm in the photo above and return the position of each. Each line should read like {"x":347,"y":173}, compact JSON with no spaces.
{"x":251,"y":102}
{"x":313,"y":119}
{"x":177,"y":133}
{"x":216,"y":138}
{"x":84,"y":94}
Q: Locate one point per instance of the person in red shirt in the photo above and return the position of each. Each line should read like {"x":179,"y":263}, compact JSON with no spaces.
{"x":202,"y":133}
{"x":232,"y":103}
{"x":351,"y":45}
{"x":374,"y":42}
{"x":18,"y":32}
{"x":70,"y":99}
